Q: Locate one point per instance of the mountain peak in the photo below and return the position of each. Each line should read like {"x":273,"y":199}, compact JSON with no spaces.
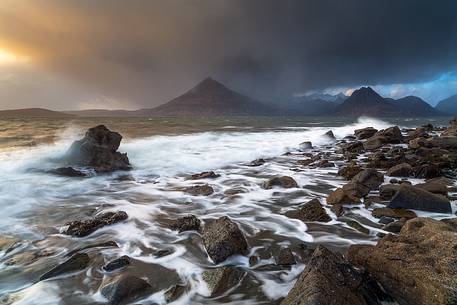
{"x":208,"y":85}
{"x":365,"y":92}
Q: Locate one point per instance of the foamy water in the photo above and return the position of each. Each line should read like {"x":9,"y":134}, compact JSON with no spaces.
{"x":35,"y":207}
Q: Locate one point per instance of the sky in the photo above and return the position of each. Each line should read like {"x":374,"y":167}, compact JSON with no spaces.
{"x":65,"y":55}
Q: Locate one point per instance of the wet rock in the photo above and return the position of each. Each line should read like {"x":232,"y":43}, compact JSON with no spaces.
{"x":175,"y":293}
{"x":219,"y":280}
{"x":199,"y":190}
{"x":415,"y":267}
{"x":339,"y":196}
{"x":28,"y":257}
{"x":67,"y":171}
{"x":163,"y":253}
{"x":386,"y":220}
{"x":418,"y":143}
{"x":222,"y":238}
{"x":392,"y":135}
{"x":365,"y":133}
{"x":125,"y":289}
{"x":108,"y":244}
{"x":285,"y":257}
{"x":410,"y":197}
{"x":357,"y":226}
{"x":353,"y":147}
{"x":369,"y":178}
{"x":253,"y":260}
{"x":77,"y":262}
{"x":387,"y":191}
{"x":356,"y":189}
{"x":80,"y":228}
{"x":325,"y":164}
{"x":374,"y":142}
{"x":7,"y":244}
{"x":427,"y":171}
{"x":349,"y":171}
{"x":337,"y":209}
{"x":394,"y":227}
{"x":306,"y":145}
{"x":394,"y":213}
{"x":329,"y":134}
{"x":329,"y":279}
{"x":400,"y":170}
{"x":204,"y":175}
{"x":257,"y":162}
{"x":305,"y":162}
{"x":235,"y":191}
{"x":446,"y":142}
{"x":98,"y":150}
{"x":186,"y":223}
{"x":281,"y":181}
{"x":434,"y":187}
{"x":118,"y":263}
{"x":310,"y":211}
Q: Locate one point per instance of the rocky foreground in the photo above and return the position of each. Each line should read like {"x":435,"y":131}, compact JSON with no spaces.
{"x":414,"y":261}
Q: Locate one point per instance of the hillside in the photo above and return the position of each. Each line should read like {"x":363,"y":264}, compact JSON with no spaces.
{"x":448,"y":105}
{"x":33,"y":112}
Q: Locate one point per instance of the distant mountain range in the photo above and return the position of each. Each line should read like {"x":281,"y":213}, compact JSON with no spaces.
{"x":32,"y":112}
{"x":211,"y":98}
{"x":448,"y":106}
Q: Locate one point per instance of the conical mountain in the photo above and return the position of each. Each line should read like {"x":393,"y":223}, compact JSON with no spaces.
{"x":211,"y":98}
{"x":448,"y":105}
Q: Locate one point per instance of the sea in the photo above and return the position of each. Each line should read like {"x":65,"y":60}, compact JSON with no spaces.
{"x":35,"y":206}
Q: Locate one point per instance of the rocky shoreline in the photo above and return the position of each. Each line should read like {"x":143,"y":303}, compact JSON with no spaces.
{"x":412,"y":263}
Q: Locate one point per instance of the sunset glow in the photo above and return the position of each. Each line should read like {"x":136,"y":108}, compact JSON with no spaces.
{"x":8,"y":58}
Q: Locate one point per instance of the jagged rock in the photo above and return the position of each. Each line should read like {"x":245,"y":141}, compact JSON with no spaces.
{"x":329,"y":134}
{"x":118,"y":263}
{"x":281,"y":181}
{"x":223,"y":238}
{"x":310,"y":211}
{"x":337,"y":209}
{"x":392,"y":135}
{"x":82,"y":228}
{"x":285,"y":257}
{"x":400,"y":170}
{"x":394,"y":213}
{"x":204,"y":175}
{"x":415,"y":267}
{"x":175,"y":293}
{"x":329,"y":279}
{"x":186,"y":223}
{"x":67,"y":171}
{"x":353,"y":147}
{"x":306,"y":145}
{"x":349,"y":171}
{"x":355,"y":189}
{"x":410,"y":197}
{"x":365,"y":133}
{"x":219,"y":280}
{"x":77,"y":262}
{"x":98,"y":150}
{"x":126,"y":288}
{"x":387,"y":191}
{"x":200,"y":190}
{"x":257,"y":162}
{"x":374,"y":142}
{"x":339,"y":196}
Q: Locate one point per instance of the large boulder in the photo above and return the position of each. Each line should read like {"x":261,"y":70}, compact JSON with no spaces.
{"x":329,"y":279}
{"x":222,"y":238}
{"x":340,"y":196}
{"x":80,"y":228}
{"x":349,"y":171}
{"x":392,"y":135}
{"x":364,"y":182}
{"x":410,"y":197}
{"x":446,"y":142}
{"x":365,"y":133}
{"x":126,"y":288}
{"x":416,"y":267}
{"x":98,"y":150}
{"x":310,"y":211}
{"x":400,"y":170}
{"x":221,"y":279}
{"x":186,"y":223}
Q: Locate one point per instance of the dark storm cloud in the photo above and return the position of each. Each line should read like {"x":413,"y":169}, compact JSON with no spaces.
{"x":145,"y":52}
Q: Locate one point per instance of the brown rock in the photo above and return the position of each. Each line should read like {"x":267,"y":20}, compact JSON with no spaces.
{"x":200,"y":190}
{"x":82,"y":228}
{"x":365,"y":133}
{"x":410,"y":197}
{"x":204,"y":175}
{"x":310,"y":211}
{"x":400,"y":170}
{"x":339,"y":196}
{"x":222,"y":238}
{"x":281,"y":181}
{"x":186,"y":223}
{"x":416,"y":267}
{"x":329,"y":279}
{"x":394,"y":213}
{"x":349,"y":171}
